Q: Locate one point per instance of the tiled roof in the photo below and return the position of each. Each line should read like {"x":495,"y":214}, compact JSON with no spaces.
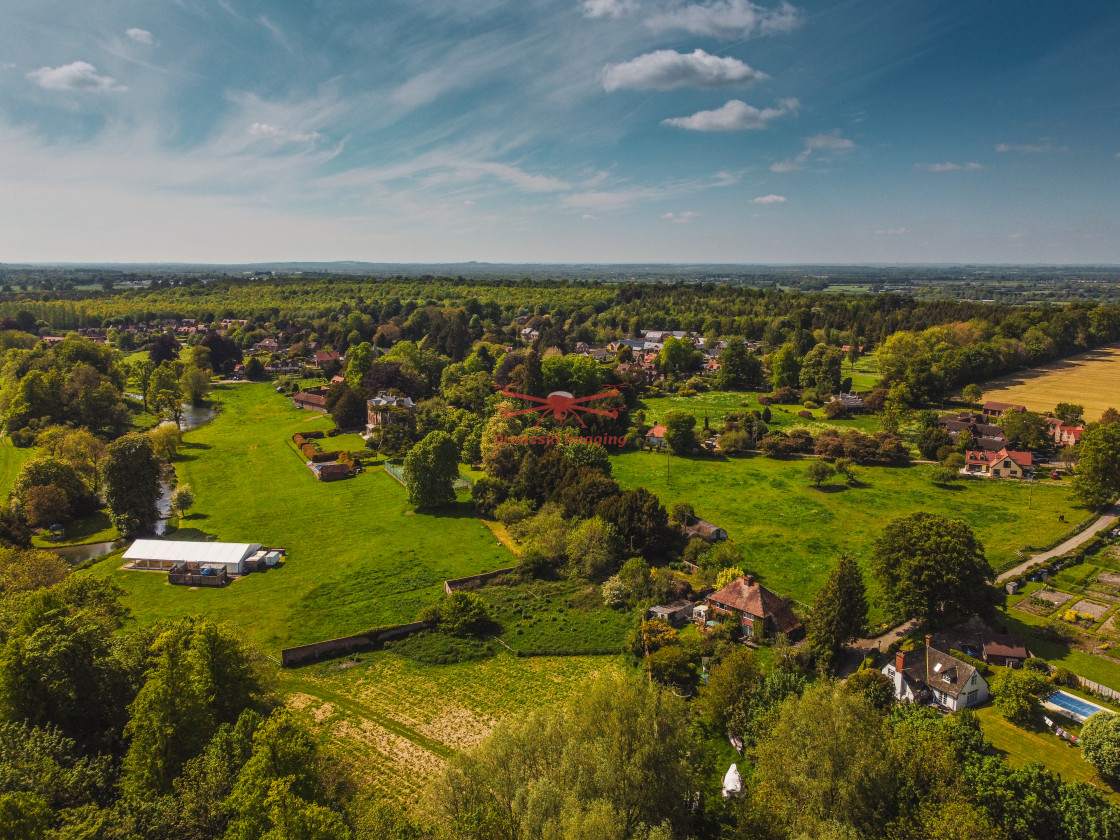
{"x":930,"y":667}
{"x":745,"y":595}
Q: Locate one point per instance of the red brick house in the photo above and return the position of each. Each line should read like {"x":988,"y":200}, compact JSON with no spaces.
{"x":314,"y":399}
{"x":761,"y":612}
{"x":325,"y":357}
{"x":1002,"y":464}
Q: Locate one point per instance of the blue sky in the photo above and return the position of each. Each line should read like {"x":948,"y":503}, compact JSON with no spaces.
{"x":567,"y":131}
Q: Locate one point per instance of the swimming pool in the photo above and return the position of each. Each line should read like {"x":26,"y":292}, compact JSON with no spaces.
{"x":1078,"y":708}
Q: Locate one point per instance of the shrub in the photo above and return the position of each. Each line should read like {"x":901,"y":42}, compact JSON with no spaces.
{"x":800,"y":440}
{"x":315,"y":435}
{"x":735,"y":443}
{"x":465,"y":614}
{"x":829,"y":444}
{"x":808,"y":415}
{"x":762,"y":400}
{"x":785,"y":396}
{"x":835,"y":410}
{"x":512,"y":511}
{"x":810,"y":404}
{"x":687,"y":392}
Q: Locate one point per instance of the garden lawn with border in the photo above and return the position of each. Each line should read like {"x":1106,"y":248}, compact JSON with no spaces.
{"x":358,"y":556}
{"x":11,"y":459}
{"x":791,"y":533}
{"x":1022,"y":746}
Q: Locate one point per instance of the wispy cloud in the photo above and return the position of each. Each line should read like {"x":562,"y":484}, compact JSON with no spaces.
{"x":769,"y":199}
{"x":609,"y":8}
{"x":727,"y":19}
{"x":78,"y":75}
{"x":681,"y":218}
{"x":735,"y":115}
{"x":949,"y":167}
{"x":892,"y":232}
{"x":831,"y":142}
{"x":1031,"y":148}
{"x":276,"y":31}
{"x":140,"y":36}
{"x":669,"y":69}
{"x":277,"y":133}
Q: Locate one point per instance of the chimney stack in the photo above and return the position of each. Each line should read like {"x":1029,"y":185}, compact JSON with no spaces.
{"x":749,"y":580}
{"x":899,"y":661}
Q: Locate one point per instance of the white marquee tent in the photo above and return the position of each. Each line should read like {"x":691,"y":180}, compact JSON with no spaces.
{"x":163,"y":554}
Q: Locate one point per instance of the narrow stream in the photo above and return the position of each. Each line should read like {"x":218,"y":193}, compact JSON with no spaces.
{"x":193,"y":416}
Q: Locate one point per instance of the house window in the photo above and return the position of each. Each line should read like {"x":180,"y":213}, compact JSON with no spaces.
{"x":970,"y":698}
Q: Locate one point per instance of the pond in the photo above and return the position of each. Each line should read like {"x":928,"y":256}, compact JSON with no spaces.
{"x":75,"y":554}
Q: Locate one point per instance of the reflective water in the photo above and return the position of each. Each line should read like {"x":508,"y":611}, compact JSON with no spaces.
{"x":75,"y":554}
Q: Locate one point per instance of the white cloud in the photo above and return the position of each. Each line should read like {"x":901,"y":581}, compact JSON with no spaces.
{"x":277,"y":133}
{"x":727,"y":19}
{"x":832,"y":142}
{"x":523,"y":180}
{"x":949,"y":167}
{"x":668,"y":69}
{"x":140,"y":36}
{"x":79,"y":75}
{"x":769,"y":199}
{"x":614,"y":9}
{"x":735,"y":115}
{"x":791,"y":165}
{"x":892,"y":232}
{"x":1028,"y":149}
{"x":681,"y":218}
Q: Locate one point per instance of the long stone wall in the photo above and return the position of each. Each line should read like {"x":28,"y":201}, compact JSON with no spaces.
{"x":334,"y":648}
{"x":474,"y":581}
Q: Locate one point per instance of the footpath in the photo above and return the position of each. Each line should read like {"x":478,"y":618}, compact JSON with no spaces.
{"x":1105,"y":521}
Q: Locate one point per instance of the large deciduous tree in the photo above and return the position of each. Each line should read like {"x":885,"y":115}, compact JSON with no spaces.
{"x":1100,"y":744}
{"x":739,"y":368}
{"x":1097,"y":481}
{"x":431,"y":468}
{"x":130,"y":475}
{"x":933,"y":569}
{"x":680,"y":432}
{"x":640,"y":518}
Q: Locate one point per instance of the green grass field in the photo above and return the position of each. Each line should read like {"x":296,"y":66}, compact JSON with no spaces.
{"x":791,"y":533}
{"x":11,"y":459}
{"x":1022,"y":746}
{"x":715,"y":404}
{"x":359,"y":557}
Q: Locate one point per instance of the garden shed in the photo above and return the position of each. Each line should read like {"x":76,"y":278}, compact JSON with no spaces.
{"x":163,"y":554}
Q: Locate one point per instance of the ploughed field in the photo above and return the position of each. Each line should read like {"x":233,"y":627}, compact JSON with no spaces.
{"x":1091,"y":379}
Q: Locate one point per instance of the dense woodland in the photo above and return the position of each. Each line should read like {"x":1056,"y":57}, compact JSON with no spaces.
{"x":174,"y":730}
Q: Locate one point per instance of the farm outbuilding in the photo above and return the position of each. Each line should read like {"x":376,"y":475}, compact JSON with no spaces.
{"x":163,"y":554}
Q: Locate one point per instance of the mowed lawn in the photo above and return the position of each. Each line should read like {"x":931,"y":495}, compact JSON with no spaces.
{"x":11,"y":459}
{"x":1022,"y":746}
{"x":358,"y":556}
{"x":715,"y":404}
{"x":1091,"y":379}
{"x":791,"y":533}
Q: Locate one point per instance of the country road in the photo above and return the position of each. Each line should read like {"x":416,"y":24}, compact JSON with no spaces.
{"x":1105,"y":521}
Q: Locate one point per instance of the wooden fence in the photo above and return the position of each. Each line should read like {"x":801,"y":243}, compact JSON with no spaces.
{"x":1097,"y":688}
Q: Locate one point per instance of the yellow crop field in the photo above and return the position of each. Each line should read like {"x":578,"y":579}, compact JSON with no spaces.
{"x":395,"y":722}
{"x":1091,"y":379}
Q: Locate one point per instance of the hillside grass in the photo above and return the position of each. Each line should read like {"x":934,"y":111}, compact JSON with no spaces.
{"x":791,"y":533}
{"x":358,"y":555}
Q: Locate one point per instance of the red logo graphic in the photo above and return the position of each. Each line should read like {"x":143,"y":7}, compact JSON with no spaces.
{"x":561,"y":404}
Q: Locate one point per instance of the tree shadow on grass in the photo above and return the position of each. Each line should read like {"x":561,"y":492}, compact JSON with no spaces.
{"x":953,"y":488}
{"x":194,"y":534}
{"x":831,"y":488}
{"x":458,"y":510}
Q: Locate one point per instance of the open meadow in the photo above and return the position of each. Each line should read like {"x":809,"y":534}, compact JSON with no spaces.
{"x":791,"y":532}
{"x":358,"y":555}
{"x":1091,"y":379}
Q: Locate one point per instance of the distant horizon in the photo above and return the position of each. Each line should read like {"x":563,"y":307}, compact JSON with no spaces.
{"x":573,"y":264}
